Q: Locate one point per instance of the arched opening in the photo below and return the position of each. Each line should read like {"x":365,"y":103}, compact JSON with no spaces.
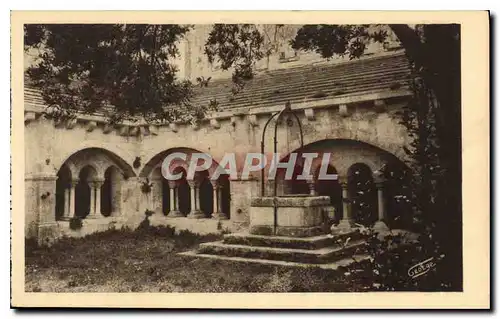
{"x":63,"y":194}
{"x":205,"y":194}
{"x":111,"y":191}
{"x":331,"y":188}
{"x":362,"y":194}
{"x":183,"y":191}
{"x":83,"y":192}
{"x":225,"y":195}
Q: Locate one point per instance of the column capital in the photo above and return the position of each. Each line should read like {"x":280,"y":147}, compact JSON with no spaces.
{"x":97,"y":183}
{"x":378,"y":178}
{"x":74,"y":182}
{"x":172,"y":184}
{"x":311,"y":183}
{"x":215,"y":183}
{"x":342,"y":181}
{"x":193,"y":183}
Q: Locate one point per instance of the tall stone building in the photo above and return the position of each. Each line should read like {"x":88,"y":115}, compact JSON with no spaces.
{"x":110,"y":175}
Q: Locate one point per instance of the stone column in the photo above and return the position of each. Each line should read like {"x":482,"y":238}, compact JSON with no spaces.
{"x":174,"y":200}
{"x":92,"y":213}
{"x":217,"y":195}
{"x":380,"y":224}
{"x":346,"y":223}
{"x":195,"y":201}
{"x":312,"y":187}
{"x":72,"y":199}
{"x":67,"y":202}
{"x":197,"y":196}
{"x":97,"y":186}
{"x":171,"y":199}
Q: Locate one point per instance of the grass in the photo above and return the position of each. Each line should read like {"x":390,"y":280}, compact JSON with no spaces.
{"x":146,"y":260}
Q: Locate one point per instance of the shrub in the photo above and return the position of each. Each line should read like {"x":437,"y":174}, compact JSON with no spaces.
{"x":391,"y":258}
{"x":75,"y":223}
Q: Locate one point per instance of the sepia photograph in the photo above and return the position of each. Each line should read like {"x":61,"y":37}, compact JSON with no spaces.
{"x":234,"y":157}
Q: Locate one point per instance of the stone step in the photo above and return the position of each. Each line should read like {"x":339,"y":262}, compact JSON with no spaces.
{"x":314,"y":242}
{"x":316,"y":256}
{"x":329,"y":266}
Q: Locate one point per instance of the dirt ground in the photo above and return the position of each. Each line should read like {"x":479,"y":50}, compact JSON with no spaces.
{"x":147,"y":261}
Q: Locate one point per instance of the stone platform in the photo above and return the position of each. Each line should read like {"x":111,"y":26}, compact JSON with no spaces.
{"x":288,"y":215}
{"x":324,"y":251}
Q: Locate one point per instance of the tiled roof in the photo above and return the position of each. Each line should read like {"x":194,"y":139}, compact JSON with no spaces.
{"x":310,"y":82}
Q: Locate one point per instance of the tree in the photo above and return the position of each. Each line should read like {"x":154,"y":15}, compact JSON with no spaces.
{"x":433,"y":118}
{"x":122,"y":70}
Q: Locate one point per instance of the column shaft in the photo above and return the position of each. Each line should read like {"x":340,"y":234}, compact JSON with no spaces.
{"x":381,"y":204}
{"x":193,"y":198}
{"x":67,"y":202}
{"x":172,"y":198}
{"x":346,"y":205}
{"x":312,"y":188}
{"x":219,"y":204}
{"x":380,"y":224}
{"x":216,"y":200}
{"x":346,"y":223}
{"x":176,"y":198}
{"x":97,"y":211}
{"x":72,"y":200}
{"x":198,"y":193}
{"x":92,"y":202}
{"x":195,"y":201}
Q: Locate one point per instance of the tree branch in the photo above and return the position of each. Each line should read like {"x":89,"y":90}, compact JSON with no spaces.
{"x":410,"y":41}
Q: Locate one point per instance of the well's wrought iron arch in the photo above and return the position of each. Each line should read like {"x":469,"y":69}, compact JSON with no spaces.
{"x":286,"y":110}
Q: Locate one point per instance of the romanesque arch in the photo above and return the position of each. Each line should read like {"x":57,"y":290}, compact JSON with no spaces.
{"x":200,"y":197}
{"x":389,"y":143}
{"x":370,"y":181}
{"x":108,"y":153}
{"x":89,"y":184}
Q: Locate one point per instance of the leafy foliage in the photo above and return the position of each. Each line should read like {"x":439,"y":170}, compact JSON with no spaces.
{"x":238,"y":47}
{"x":392,"y":255}
{"x":120,"y":69}
{"x":329,"y":39}
{"x":432,"y":118}
{"x":363,"y":195}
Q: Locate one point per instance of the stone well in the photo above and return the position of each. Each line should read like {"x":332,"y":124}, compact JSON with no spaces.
{"x":296,"y":215}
